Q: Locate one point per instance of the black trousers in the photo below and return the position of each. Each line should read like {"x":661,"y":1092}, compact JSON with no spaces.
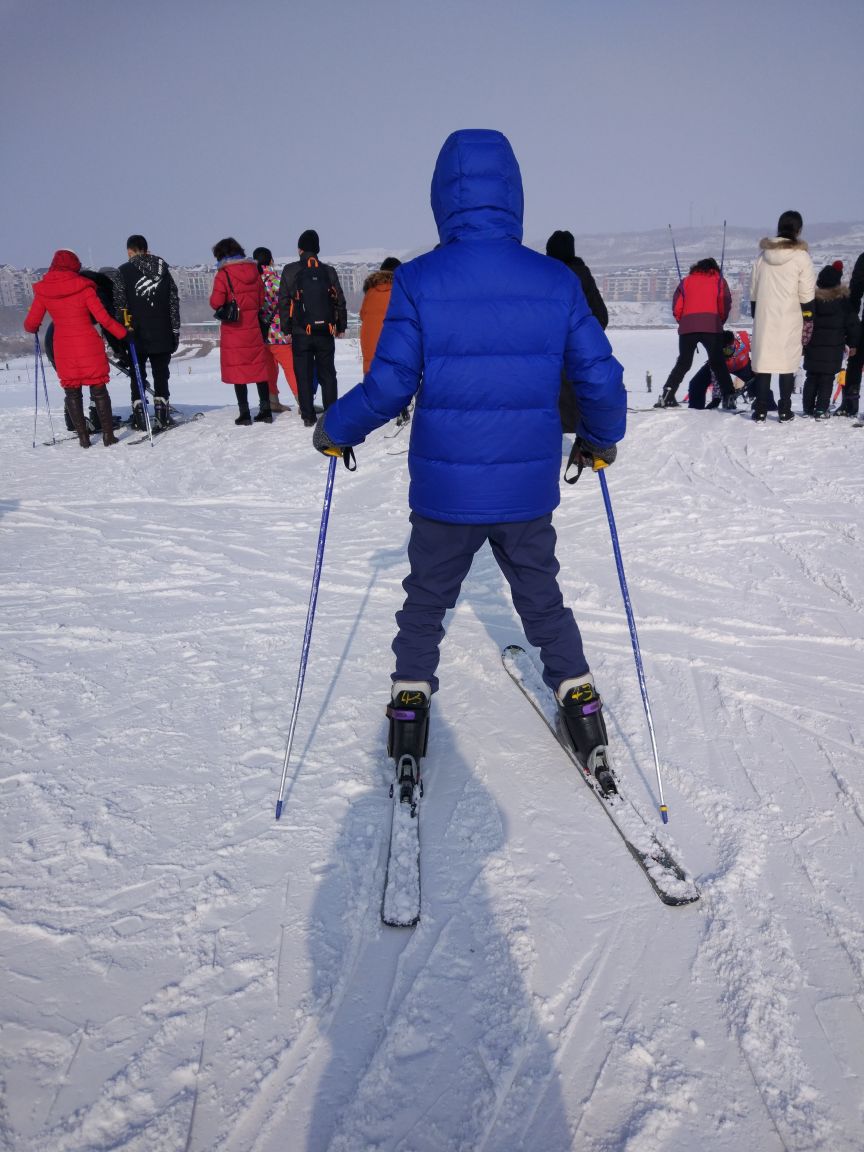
{"x":764,"y":399}
{"x":159,"y":362}
{"x":852,"y":387}
{"x":817,"y":392}
{"x":712,"y":342}
{"x":314,"y":352}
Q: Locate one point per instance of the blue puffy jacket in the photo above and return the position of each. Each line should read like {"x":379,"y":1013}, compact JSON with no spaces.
{"x":480,"y":329}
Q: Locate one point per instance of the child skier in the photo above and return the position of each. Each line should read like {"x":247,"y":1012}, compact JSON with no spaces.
{"x":487,"y":325}
{"x":835,"y":327}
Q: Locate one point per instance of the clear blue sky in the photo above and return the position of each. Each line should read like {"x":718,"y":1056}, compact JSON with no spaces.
{"x":189,"y":120}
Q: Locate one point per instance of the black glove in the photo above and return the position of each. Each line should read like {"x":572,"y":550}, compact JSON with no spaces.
{"x":588,"y":455}
{"x":322,"y":442}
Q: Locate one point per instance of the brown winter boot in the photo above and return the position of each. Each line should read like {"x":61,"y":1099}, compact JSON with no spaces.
{"x":102,"y":400}
{"x":75,"y":408}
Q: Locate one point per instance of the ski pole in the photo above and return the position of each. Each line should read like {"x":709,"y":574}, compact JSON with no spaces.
{"x":723,"y":250}
{"x":634,"y":639}
{"x":675,"y":254}
{"x":140,"y":384}
{"x":310,"y":616}
{"x":41,"y":363}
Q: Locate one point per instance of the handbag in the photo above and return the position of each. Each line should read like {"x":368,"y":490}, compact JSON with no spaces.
{"x":229,"y":312}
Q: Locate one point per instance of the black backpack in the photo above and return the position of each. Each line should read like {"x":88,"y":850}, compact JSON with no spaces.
{"x":314,"y":302}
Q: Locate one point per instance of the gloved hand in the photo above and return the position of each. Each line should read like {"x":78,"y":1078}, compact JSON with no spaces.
{"x":591,"y":453}
{"x":806,"y":333}
{"x":322,"y":442}
{"x":587,"y":455}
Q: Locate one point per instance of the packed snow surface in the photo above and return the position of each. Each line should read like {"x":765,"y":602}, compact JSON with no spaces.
{"x":180,"y":972}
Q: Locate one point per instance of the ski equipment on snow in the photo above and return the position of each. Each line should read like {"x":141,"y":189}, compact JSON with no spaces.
{"x":310,"y":617}
{"x":40,"y":364}
{"x":634,"y":639}
{"x":137,"y":369}
{"x":657,"y":859}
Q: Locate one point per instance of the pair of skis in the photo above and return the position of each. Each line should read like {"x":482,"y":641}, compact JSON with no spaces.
{"x":176,"y":422}
{"x":401,"y":902}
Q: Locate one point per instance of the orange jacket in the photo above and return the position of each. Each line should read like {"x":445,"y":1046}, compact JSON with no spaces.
{"x":376,"y":297}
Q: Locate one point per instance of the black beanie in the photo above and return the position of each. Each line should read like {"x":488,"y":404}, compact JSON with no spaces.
{"x":561,"y":246}
{"x":829,"y":277}
{"x":309,"y":242}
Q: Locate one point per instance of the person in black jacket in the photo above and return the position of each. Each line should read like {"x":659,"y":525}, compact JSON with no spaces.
{"x":835,"y":326}
{"x":562,"y":246}
{"x":312,"y":308}
{"x":147,"y":292}
{"x":852,"y":387}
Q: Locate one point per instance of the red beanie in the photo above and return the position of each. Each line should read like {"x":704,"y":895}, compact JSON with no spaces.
{"x":65,"y":261}
{"x":838,"y":264}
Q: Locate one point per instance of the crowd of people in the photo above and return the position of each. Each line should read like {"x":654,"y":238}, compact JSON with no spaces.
{"x":498,"y":348}
{"x":796,"y":315}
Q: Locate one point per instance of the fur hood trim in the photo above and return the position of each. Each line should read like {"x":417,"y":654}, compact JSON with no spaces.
{"x":841,"y":292}
{"x":377,"y":279}
{"x":769,"y":243}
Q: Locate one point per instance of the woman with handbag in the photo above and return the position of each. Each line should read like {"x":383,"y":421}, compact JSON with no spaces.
{"x":237,"y":298}
{"x":278,"y":343}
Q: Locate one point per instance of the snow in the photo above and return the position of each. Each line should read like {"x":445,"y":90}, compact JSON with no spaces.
{"x":182,"y":972}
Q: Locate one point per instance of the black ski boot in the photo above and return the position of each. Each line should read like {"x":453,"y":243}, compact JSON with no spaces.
{"x":408,"y":713}
{"x":580,"y":720}
{"x":163,"y":418}
{"x":667,"y":399}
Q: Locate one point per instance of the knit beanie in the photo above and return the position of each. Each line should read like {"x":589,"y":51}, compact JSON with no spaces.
{"x":829,"y":277}
{"x":65,"y":260}
{"x":309,"y":242}
{"x":561,"y":246}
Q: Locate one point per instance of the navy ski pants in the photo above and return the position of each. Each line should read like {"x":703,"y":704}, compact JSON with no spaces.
{"x":440,"y":556}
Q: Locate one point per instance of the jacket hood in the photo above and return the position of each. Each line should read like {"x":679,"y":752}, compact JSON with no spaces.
{"x":778,"y":250}
{"x":379,"y":279}
{"x":56,"y":284}
{"x":840,"y":292}
{"x":477,"y":188}
{"x":65,"y":260}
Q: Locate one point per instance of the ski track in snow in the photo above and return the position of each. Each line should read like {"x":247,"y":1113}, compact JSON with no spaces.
{"x":183,"y":973}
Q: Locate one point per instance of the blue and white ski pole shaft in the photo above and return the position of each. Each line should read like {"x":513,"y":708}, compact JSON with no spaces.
{"x":137,"y":369}
{"x":634,"y":639}
{"x":310,"y":617}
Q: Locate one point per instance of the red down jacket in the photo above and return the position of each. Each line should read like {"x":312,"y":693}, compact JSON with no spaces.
{"x":701,"y":303}
{"x":73,"y":305}
{"x":242,"y":352}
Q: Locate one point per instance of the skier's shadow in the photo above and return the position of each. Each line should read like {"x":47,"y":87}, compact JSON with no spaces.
{"x":434,"y":1039}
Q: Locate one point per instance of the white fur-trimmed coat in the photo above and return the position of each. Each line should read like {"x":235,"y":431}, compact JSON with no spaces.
{"x":783,"y":279}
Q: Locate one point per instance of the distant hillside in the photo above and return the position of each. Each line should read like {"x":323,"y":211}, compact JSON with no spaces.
{"x":619,"y":250}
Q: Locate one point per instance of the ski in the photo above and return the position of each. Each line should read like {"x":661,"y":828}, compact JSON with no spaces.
{"x":669,"y":879}
{"x":161,"y":431}
{"x":400,"y":906}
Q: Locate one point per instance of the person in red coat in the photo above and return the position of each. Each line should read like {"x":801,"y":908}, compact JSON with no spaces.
{"x":701,"y":305}
{"x":79,"y":351}
{"x":242,"y":352}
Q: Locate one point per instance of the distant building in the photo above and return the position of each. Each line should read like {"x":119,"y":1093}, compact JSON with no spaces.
{"x":16,"y":285}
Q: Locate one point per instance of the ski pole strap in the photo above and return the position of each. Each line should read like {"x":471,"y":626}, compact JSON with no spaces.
{"x":578,"y":460}
{"x":347,"y":454}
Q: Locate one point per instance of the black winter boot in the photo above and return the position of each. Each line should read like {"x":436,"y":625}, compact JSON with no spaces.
{"x":75,"y":408}
{"x":264,"y":416}
{"x":243,"y":404}
{"x":667,"y":399}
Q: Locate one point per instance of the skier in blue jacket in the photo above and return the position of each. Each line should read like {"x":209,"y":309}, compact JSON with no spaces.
{"x":479,"y":331}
